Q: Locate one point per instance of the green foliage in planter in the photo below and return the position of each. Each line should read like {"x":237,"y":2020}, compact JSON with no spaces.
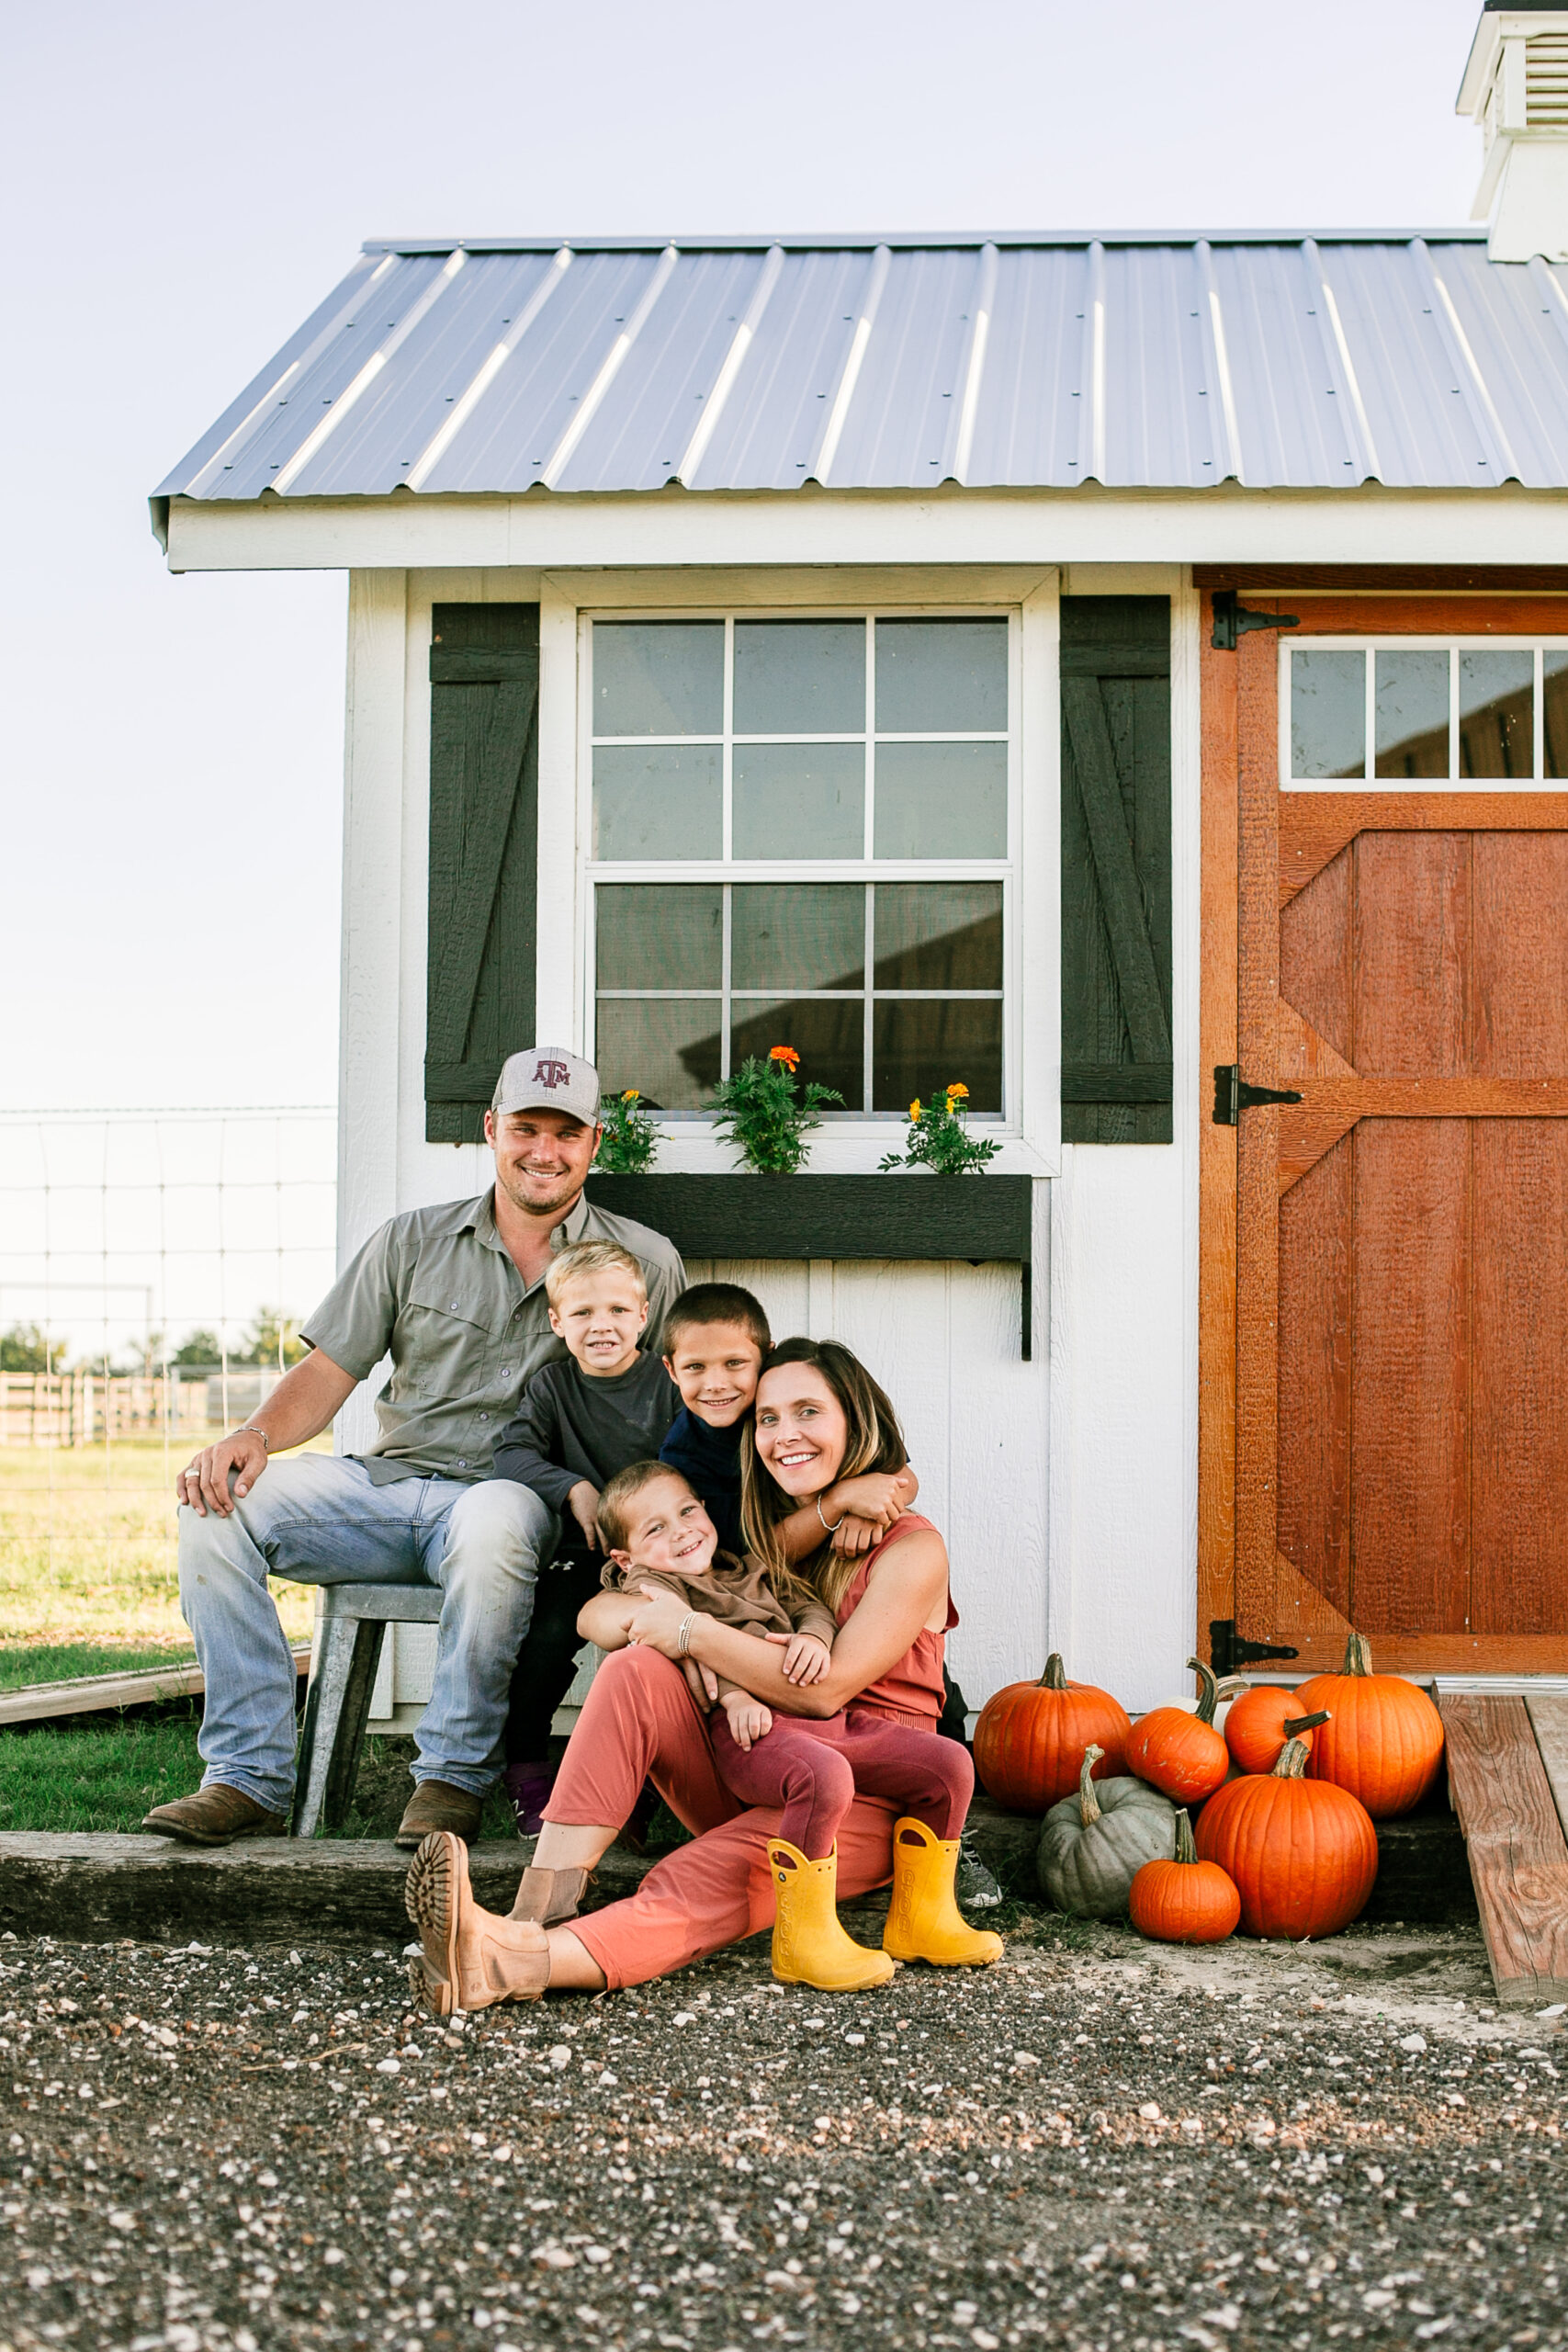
{"x":939,"y":1138}
{"x":629,"y":1144}
{"x":769,"y":1114}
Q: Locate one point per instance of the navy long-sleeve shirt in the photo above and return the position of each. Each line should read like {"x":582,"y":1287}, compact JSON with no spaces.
{"x":709,"y":1460}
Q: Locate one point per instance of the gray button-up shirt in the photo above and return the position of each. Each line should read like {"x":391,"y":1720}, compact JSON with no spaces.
{"x":438,"y":1287}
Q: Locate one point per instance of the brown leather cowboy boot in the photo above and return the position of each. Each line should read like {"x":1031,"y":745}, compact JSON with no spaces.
{"x":550,"y":1896}
{"x":215,"y":1816}
{"x":435,"y":1805}
{"x":467,"y":1958}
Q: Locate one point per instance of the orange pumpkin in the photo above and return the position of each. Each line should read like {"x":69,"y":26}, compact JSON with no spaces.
{"x":1179,"y":1754}
{"x":1030,"y":1740}
{"x":1261,"y":1721}
{"x":1303,"y":1854}
{"x":1186,"y":1900}
{"x":1384,"y":1741}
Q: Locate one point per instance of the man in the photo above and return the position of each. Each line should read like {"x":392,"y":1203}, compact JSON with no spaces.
{"x":456,"y":1294}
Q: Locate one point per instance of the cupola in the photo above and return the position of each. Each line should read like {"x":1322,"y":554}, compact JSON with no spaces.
{"x":1515,"y":87}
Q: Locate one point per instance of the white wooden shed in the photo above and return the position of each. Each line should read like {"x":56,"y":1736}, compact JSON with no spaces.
{"x":902,"y":647}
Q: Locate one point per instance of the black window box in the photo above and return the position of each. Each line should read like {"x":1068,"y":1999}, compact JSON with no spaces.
{"x":979,"y":1218}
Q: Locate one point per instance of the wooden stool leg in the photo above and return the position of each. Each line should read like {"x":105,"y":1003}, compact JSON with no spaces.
{"x":331,"y":1712}
{"x":354,"y":1713}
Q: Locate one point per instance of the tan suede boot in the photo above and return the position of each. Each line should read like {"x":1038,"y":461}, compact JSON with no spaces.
{"x":550,"y":1896}
{"x":468,"y":1959}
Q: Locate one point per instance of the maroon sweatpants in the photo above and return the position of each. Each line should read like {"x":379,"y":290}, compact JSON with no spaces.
{"x":815,"y":1769}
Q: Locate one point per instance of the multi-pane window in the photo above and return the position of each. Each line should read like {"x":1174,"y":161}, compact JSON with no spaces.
{"x":800,"y":836}
{"x":1419,"y":712}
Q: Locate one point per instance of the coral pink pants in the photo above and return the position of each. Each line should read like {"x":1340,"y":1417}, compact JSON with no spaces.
{"x":638,"y":1723}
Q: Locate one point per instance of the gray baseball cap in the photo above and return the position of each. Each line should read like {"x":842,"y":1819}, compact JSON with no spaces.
{"x":546,"y":1078}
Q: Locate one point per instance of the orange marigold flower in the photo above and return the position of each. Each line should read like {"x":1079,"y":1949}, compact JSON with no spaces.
{"x":915,"y":1109}
{"x":786,"y":1054}
{"x":632,"y":1094}
{"x":957,"y":1092}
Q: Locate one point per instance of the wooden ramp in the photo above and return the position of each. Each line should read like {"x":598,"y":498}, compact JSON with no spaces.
{"x":38,"y":1703}
{"x":1508,"y":1781}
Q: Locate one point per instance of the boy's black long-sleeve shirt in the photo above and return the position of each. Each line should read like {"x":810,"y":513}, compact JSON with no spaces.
{"x":568,"y":1428}
{"x":709,"y":1460}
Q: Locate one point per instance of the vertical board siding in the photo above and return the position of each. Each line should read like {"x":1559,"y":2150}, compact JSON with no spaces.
{"x":943,"y":1339}
{"x":484,"y":759}
{"x":1116,"y":878}
{"x":1315,"y":1225}
{"x":1410,"y":1342}
{"x":1519,"y":1376}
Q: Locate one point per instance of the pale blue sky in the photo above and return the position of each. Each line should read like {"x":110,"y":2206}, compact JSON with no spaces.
{"x":182,"y":183}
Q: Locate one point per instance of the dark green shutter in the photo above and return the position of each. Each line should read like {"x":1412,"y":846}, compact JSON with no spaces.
{"x":1116,"y":1060}
{"x":484,"y":832}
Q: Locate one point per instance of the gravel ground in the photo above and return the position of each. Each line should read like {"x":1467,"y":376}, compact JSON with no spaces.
{"x":1096,"y":2143}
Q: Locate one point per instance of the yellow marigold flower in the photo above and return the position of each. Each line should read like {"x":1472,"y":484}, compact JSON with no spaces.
{"x":957,"y":1092}
{"x":915,"y":1109}
{"x":786,"y":1054}
{"x":632,"y":1094}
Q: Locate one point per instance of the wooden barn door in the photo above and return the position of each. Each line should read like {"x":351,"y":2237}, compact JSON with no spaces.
{"x":1401,"y":1233}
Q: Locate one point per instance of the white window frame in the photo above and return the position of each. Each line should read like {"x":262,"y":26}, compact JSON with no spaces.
{"x":1030,"y":1132}
{"x":1454,"y":645}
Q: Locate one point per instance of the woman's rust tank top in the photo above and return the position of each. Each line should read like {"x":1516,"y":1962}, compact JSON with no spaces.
{"x":911,"y":1691}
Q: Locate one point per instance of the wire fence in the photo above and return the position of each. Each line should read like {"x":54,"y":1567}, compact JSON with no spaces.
{"x":154,"y":1269}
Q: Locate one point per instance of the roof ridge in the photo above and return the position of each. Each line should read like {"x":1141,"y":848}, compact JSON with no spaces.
{"x":907,"y":240}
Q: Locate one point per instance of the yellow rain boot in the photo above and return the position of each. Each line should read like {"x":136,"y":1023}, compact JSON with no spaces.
{"x":923,"y":1920}
{"x":809,"y":1946}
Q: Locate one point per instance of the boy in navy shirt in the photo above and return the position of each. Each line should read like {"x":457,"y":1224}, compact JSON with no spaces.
{"x":715,"y":1339}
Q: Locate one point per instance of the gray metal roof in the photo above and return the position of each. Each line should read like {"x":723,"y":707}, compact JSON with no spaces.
{"x":447,"y":366}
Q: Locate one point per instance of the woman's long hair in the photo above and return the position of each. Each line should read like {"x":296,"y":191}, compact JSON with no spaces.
{"x":875,"y":1442}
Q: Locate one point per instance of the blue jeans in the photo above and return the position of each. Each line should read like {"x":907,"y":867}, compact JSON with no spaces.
{"x":317,"y":1519}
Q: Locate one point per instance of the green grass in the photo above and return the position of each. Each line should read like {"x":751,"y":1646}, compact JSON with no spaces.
{"x":103,"y":1774}
{"x":88,"y":1556}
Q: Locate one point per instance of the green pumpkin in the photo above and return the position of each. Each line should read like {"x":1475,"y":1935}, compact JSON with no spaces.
{"x":1092,"y":1845}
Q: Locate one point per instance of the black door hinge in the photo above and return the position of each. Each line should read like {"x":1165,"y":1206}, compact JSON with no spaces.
{"x":1232,"y":618}
{"x":1233,"y":1095}
{"x":1228,"y":1649}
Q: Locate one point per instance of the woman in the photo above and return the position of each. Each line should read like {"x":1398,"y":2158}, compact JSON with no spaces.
{"x":819,"y":1416}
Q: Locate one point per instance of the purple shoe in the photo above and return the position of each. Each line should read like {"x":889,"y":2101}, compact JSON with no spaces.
{"x":529,"y":1786}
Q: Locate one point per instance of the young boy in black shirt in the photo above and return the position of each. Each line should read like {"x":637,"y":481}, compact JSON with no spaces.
{"x":715,"y":1336}
{"x":577,"y":1424}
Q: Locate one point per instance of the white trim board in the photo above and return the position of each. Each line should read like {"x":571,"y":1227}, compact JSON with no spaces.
{"x":965,"y":526}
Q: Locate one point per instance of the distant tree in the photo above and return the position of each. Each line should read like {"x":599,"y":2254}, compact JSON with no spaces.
{"x":142,"y":1356}
{"x":198,"y":1348}
{"x":273,"y":1339}
{"x":26,"y":1347}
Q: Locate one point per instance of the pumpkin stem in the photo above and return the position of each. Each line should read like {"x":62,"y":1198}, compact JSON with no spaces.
{"x":1055,"y":1675}
{"x":1086,"y":1805}
{"x":1296,"y":1724}
{"x":1186,"y":1851}
{"x":1207,"y":1690}
{"x":1358,"y":1655}
{"x":1293,"y":1760}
